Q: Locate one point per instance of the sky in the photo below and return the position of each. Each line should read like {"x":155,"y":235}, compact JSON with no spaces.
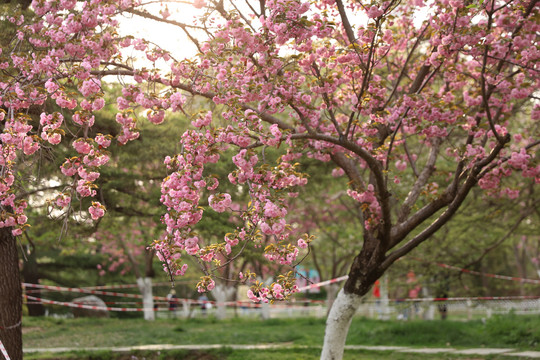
{"x":167,"y":36}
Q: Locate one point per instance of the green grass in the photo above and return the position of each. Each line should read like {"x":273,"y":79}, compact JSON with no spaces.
{"x":228,"y":354}
{"x":500,"y":331}
{"x":510,"y":331}
{"x":46,"y":332}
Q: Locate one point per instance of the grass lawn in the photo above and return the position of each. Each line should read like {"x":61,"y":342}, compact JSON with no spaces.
{"x":506,"y":331}
{"x":281,"y":354}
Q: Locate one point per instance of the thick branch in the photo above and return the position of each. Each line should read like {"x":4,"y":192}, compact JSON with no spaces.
{"x":505,"y":159}
{"x":422,"y":73}
{"x":428,"y":170}
{"x":350,"y":169}
{"x":345,"y":21}
{"x":453,"y":206}
{"x":404,"y":69}
{"x":377,"y":170}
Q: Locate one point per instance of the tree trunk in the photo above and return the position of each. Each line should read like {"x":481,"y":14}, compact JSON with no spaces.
{"x":265,"y":311}
{"x":522,"y":271}
{"x":186,"y":308}
{"x":364,"y":272}
{"x":331,"y":292}
{"x":337,"y":325}
{"x":10,"y":296}
{"x":222,"y":293}
{"x":145,"y":286}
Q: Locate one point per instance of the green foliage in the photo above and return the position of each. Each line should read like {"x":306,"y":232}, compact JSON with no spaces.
{"x":518,"y":331}
{"x":481,"y":237}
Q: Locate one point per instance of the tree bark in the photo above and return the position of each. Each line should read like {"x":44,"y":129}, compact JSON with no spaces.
{"x":145,"y":287}
{"x":10,"y":296}
{"x":337,"y":325}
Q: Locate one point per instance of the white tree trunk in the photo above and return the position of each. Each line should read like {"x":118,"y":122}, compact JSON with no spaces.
{"x":265,"y":311}
{"x":385,"y":302}
{"x":186,"y":308}
{"x":145,"y":287}
{"x":337,"y":325}
{"x":331,"y":292}
{"x":222,"y":293}
{"x":429,"y":313}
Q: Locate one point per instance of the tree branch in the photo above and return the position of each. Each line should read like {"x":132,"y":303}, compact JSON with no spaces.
{"x":427,"y":171}
{"x":454,"y":204}
{"x":345,"y":20}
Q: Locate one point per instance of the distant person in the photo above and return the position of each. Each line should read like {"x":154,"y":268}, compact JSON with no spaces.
{"x":414,"y":291}
{"x":443,"y":308}
{"x":172,"y":299}
{"x":377,"y":289}
{"x":413,"y":294}
{"x":204,"y":304}
{"x":443,"y":282}
{"x":377,"y":296}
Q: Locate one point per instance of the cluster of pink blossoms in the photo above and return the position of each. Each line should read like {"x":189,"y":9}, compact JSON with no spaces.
{"x":58,"y":33}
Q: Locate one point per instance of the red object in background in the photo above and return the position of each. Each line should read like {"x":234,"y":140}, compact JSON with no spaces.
{"x":377,"y":289}
{"x":413,"y":293}
{"x":411,"y":277}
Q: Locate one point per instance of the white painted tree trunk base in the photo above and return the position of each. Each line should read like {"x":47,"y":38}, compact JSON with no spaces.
{"x":145,"y":287}
{"x":222,"y":294}
{"x":337,"y":325}
{"x":331,"y":293}
{"x":186,"y":308}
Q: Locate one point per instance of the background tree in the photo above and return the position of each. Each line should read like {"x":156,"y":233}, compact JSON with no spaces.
{"x":483,"y":237}
{"x":126,"y":247}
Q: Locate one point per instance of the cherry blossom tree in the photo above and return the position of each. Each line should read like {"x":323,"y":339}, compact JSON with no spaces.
{"x":127,"y":251}
{"x":414,"y":115}
{"x":415,"y":103}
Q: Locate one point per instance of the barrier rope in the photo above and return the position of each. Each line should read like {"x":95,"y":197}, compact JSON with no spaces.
{"x":130,"y":286}
{"x":472,"y":272}
{"x":86,"y":291}
{"x":12,"y":326}
{"x":84,"y":306}
{"x":495,"y":276}
{"x":4,"y":351}
{"x":324,"y":283}
{"x":277,"y":305}
{"x":251,"y":304}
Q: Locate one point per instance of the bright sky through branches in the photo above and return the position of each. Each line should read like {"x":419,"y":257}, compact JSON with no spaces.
{"x":167,"y":36}
{"x":172,"y":38}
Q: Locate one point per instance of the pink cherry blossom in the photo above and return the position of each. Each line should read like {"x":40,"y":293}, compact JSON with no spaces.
{"x":96,"y":210}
